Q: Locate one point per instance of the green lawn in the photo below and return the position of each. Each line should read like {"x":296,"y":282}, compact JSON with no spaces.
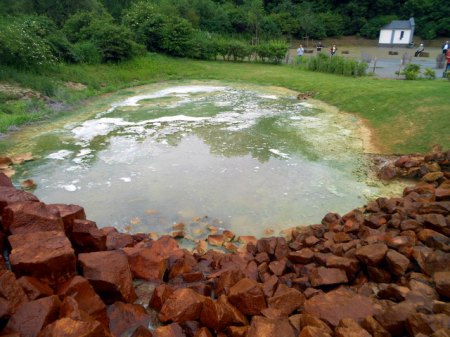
{"x":405,"y":116}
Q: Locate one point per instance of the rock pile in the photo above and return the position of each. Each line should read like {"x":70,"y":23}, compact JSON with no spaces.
{"x":381,"y":270}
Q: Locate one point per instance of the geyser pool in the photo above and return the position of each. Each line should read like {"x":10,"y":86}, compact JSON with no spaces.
{"x":240,"y":157}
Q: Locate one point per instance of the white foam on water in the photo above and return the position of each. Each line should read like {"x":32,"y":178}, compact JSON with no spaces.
{"x":125,"y":179}
{"x":68,"y":187}
{"x":98,"y":127}
{"x":269,"y":96}
{"x":60,"y":155}
{"x":178,"y":118}
{"x":279,"y":153}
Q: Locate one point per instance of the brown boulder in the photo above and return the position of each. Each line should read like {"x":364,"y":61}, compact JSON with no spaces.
{"x":227,"y":279}
{"x":374,"y":328}
{"x":31,"y":216}
{"x":219,"y":314}
{"x":266,"y":327}
{"x":126,"y":317}
{"x":141,"y":332}
{"x":171,"y":330}
{"x":248,"y":297}
{"x":32,"y":317}
{"x":86,"y":237}
{"x":183,"y":305}
{"x":116,"y":240}
{"x":434,"y":239}
{"x":313,"y":331}
{"x":10,"y":195}
{"x":349,"y":328}
{"x":11,"y":294}
{"x":5,"y":180}
{"x":372,"y":254}
{"x":68,"y":327}
{"x":48,"y":256}
{"x":267,"y":245}
{"x":397,"y":263}
{"x":435,"y":262}
{"x":394,"y":317}
{"x":442,"y":282}
{"x":34,"y":288}
{"x":323,"y":276}
{"x":286,"y":299}
{"x":203,"y":332}
{"x":237,"y":331}
{"x":82,"y":291}
{"x":427,"y":324}
{"x":159,"y":296}
{"x":303,"y":256}
{"x":109,"y":274}
{"x":69,"y":213}
{"x":350,"y":305}
{"x":350,"y":266}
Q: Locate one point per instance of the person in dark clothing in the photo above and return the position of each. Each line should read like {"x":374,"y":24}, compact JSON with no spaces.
{"x":419,"y":50}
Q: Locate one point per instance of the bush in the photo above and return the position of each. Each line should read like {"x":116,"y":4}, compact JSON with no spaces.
{"x":87,"y":52}
{"x":177,"y":37}
{"x":429,"y":74}
{"x":411,"y":71}
{"x":273,"y":51}
{"x":22,"y":46}
{"x":203,"y":46}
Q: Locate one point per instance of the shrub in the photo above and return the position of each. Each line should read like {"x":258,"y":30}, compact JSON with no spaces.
{"x":87,"y":52}
{"x":429,"y":74}
{"x":273,"y":51}
{"x":411,"y":71}
{"x":334,"y":65}
{"x":177,"y":37}
{"x":203,"y":46}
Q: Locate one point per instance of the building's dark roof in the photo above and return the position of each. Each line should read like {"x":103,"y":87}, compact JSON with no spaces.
{"x":401,"y":24}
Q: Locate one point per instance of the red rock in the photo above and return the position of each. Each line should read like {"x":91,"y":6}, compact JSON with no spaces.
{"x":323,"y":276}
{"x":278,"y":267}
{"x":350,"y":305}
{"x":32,"y":317}
{"x":216,"y":240}
{"x":219,"y":314}
{"x":372,"y":254}
{"x":109,"y":274}
{"x":262,"y":257}
{"x":397,"y":263}
{"x":142,"y":332}
{"x":248,"y":297}
{"x":86,"y":237}
{"x":69,"y":308}
{"x":374,"y":328}
{"x":146,"y":263}
{"x":171,"y":330}
{"x":303,"y":256}
{"x":312,"y":331}
{"x":48,"y":256}
{"x":34,"y":288}
{"x":69,"y":213}
{"x":392,"y":292}
{"x":68,"y":327}
{"x":116,"y":240}
{"x":227,"y":279}
{"x":203,"y":332}
{"x":394,"y":317}
{"x":10,"y":195}
{"x":31,"y":216}
{"x":435,"y":262}
{"x":434,"y":239}
{"x":160,"y":295}
{"x":379,"y":275}
{"x":5,"y":181}
{"x":12,"y":294}
{"x":183,"y":305}
{"x":82,"y":291}
{"x":387,"y":172}
{"x":286,"y":300}
{"x":350,"y":266}
{"x":349,"y":328}
{"x":269,"y":285}
{"x":442,"y":282}
{"x":265,"y":327}
{"x":126,"y":317}
{"x":237,"y":331}
{"x":303,"y":320}
{"x":420,"y":323}
{"x":281,"y":249}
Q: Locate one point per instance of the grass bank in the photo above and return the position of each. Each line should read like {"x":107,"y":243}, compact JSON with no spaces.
{"x":405,"y":116}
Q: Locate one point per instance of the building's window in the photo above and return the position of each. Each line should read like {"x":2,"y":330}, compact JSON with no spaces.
{"x":402,"y":34}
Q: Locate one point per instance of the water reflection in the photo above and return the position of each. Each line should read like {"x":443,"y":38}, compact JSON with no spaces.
{"x":247,"y":157}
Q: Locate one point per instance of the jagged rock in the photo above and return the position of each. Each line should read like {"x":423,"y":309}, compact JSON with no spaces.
{"x":171,"y":330}
{"x":5,"y":180}
{"x":48,"y":256}
{"x":126,"y":317}
{"x":300,"y":321}
{"x":372,"y":254}
{"x":350,"y":305}
{"x":86,"y":237}
{"x":442,"y":282}
{"x":248,"y":297}
{"x":393,"y":318}
{"x":323,"y":276}
{"x":266,"y":327}
{"x":286,"y":300}
{"x":10,"y":195}
{"x":69,"y":213}
{"x":82,"y":291}
{"x":350,"y":266}
{"x":393,"y":292}
{"x":397,"y":263}
{"x":219,"y":314}
{"x":116,"y":240}
{"x":303,"y":256}
{"x":374,"y":328}
{"x":32,"y":317}
{"x":160,"y":295}
{"x":30,"y":216}
{"x":11,"y":294}
{"x":109,"y":274}
{"x":68,"y":327}
{"x":237,"y":331}
{"x":141,"y":332}
{"x":183,"y":305}
{"x":313,"y":331}
{"x":434,"y":239}
{"x":427,"y":324}
{"x":203,"y":332}
{"x":34,"y":288}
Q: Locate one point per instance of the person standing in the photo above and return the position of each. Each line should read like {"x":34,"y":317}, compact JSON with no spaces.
{"x":445,"y":47}
{"x":333,"y":50}
{"x":300,"y":51}
{"x":319,"y":46}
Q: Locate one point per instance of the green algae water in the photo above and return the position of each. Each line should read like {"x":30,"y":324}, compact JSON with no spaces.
{"x":239,"y":157}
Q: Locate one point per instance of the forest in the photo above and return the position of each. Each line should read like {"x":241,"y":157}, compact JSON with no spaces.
{"x":41,"y":32}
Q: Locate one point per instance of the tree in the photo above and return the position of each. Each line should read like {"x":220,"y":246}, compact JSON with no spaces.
{"x":177,"y":35}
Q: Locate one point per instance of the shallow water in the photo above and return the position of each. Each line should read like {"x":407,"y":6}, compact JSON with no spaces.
{"x":244,"y":158}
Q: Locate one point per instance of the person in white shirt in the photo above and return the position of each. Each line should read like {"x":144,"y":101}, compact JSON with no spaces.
{"x":300,"y":51}
{"x":445,"y":47}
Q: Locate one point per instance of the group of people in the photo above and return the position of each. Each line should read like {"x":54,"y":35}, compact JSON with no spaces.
{"x":319,"y":46}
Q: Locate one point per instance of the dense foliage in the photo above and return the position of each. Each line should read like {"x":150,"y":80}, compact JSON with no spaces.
{"x":41,"y":32}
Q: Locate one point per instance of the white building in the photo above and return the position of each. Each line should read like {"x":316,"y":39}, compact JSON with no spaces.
{"x":399,"y":33}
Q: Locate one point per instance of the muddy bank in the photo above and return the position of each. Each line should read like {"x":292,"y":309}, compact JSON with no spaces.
{"x":380,"y":270}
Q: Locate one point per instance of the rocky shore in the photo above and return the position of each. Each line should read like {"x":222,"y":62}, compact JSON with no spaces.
{"x":381,"y":270}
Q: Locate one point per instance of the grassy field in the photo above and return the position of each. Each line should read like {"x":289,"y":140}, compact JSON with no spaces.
{"x":405,"y":116}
